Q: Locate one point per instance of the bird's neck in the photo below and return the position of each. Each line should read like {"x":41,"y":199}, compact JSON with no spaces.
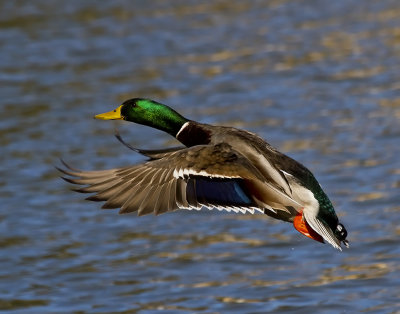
{"x":160,"y":117}
{"x":171,"y":123}
{"x":193,"y":133}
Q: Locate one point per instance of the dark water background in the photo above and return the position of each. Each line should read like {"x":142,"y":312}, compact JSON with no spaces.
{"x":320,"y":80}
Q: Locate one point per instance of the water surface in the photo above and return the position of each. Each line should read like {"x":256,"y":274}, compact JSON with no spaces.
{"x":320,"y":80}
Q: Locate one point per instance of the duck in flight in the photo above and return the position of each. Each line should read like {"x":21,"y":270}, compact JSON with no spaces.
{"x":218,"y":167}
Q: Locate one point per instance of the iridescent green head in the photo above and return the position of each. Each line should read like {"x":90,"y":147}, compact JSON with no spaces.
{"x":147,"y":112}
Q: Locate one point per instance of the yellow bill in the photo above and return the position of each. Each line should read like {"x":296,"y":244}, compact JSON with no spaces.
{"x":111,"y":115}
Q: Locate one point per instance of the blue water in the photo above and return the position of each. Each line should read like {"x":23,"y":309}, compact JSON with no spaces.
{"x":319,"y":80}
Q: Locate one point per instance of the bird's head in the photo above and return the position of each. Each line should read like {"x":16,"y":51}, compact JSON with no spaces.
{"x":147,"y":112}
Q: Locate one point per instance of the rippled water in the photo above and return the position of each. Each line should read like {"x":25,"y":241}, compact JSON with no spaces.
{"x":320,"y":80}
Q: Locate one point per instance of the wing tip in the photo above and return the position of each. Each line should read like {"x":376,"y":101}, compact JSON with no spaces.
{"x":323,"y":230}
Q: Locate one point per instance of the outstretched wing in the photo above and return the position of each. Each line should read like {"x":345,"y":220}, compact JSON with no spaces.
{"x":211,"y":176}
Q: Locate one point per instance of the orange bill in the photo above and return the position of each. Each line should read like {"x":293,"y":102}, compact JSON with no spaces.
{"x":303,"y":227}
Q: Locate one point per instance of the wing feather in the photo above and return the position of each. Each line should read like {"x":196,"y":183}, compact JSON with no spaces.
{"x":322,"y":229}
{"x":215,"y":176}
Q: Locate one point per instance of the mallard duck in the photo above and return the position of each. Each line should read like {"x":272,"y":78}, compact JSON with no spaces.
{"x":219,"y":167}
